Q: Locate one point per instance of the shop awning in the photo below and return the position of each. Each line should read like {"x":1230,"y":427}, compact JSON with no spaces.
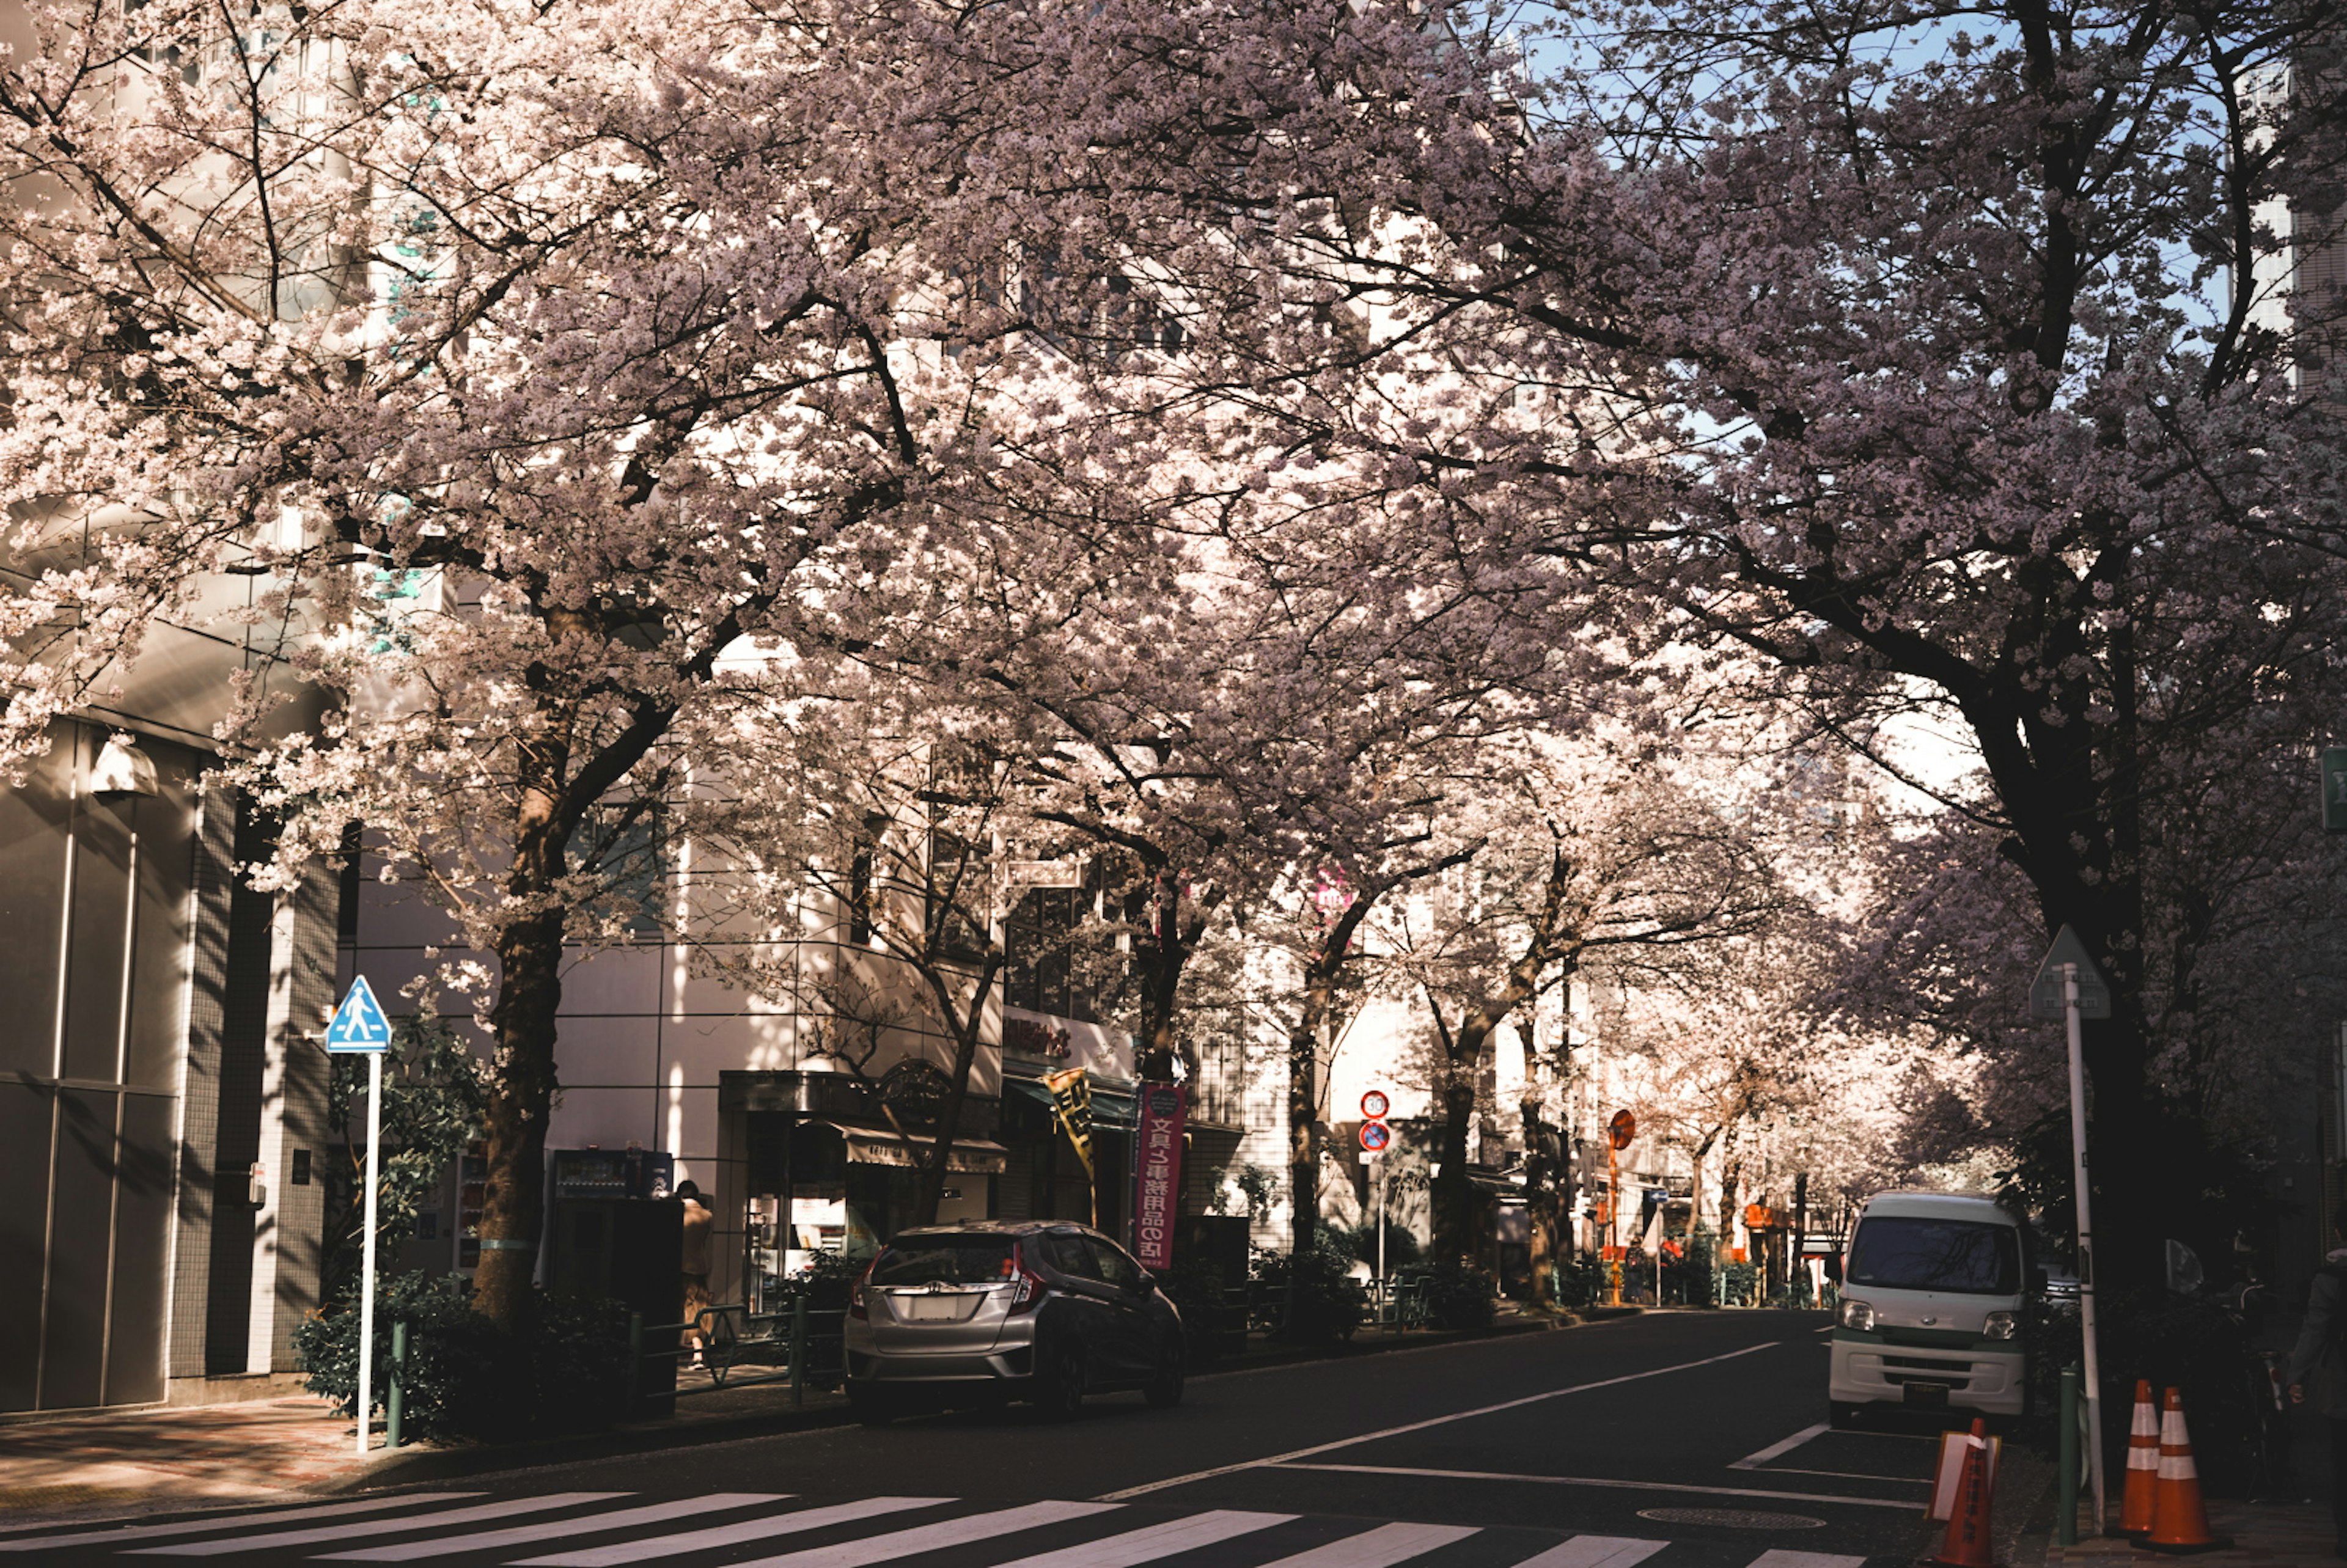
{"x":1111,"y":1108}
{"x":870,"y":1145}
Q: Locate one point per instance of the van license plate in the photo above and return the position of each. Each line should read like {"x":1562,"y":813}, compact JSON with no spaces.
{"x":1932,"y":1395}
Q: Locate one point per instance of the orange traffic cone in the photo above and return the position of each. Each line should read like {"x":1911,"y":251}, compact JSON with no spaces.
{"x":1967,"y":1544}
{"x":2142,"y":1464}
{"x":2179,"y":1520}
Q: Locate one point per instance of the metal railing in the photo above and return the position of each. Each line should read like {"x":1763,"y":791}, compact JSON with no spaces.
{"x":785,"y":1347}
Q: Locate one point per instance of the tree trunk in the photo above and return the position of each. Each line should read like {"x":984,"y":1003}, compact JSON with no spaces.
{"x":1302,"y":1133}
{"x":1540,"y":1203}
{"x":521,"y":1096}
{"x":1454,"y":1198}
{"x":965,"y":1032}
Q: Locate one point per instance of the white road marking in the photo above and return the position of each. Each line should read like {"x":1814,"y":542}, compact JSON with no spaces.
{"x":1143,"y":1491}
{"x":764,"y":1529}
{"x":1380,"y":1548}
{"x":1783,"y":1446}
{"x":589,"y":1524}
{"x":1851,"y":1475}
{"x":505,"y":1509}
{"x":1595,"y":1552}
{"x":1600,"y":1480}
{"x":1152,"y":1542}
{"x":931,"y":1537}
{"x":1903,"y":1437}
{"x":1804,"y":1560}
{"x":231,"y":1521}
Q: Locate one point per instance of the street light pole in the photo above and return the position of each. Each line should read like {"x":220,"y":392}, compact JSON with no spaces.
{"x":2086,"y":1239}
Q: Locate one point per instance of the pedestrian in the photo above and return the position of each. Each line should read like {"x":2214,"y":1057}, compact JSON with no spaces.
{"x":695,"y":1264}
{"x":2319,"y":1365}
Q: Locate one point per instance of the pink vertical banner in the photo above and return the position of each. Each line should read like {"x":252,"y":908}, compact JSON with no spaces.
{"x":1157,"y":1195}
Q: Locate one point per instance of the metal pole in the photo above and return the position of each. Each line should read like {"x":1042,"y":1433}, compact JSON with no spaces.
{"x":1612,"y":1221}
{"x":366,"y":1252}
{"x":1381,"y":1236}
{"x":2066,"y":1518}
{"x":2086,"y":1242}
{"x":635,"y":1364}
{"x":798,"y":1352}
{"x":394,"y":1401}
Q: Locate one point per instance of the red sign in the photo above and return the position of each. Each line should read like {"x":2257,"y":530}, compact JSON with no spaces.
{"x":1157,"y":1193}
{"x":1623,"y":1129}
{"x":1376,"y":1137}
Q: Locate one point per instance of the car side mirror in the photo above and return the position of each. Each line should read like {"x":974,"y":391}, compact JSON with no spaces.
{"x":1144,"y":1283}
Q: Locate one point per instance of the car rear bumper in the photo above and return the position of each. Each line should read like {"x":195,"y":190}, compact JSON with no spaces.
{"x":1015,"y":1364}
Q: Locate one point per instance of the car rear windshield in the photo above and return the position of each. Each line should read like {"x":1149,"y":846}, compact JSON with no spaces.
{"x":1901,"y":1252}
{"x":946,"y":1260}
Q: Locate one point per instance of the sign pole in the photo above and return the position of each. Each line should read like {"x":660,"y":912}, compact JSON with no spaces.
{"x":2069,"y":988}
{"x":2086,"y":1239}
{"x":359,"y":1025}
{"x":366,"y":1251}
{"x":1613,"y":1221}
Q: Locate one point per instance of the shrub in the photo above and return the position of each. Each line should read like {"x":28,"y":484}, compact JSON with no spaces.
{"x":1580,"y":1281}
{"x":1195,"y":1286}
{"x":1324,"y":1306}
{"x":566,"y":1371}
{"x":1457,"y":1296}
{"x":1402,"y":1244}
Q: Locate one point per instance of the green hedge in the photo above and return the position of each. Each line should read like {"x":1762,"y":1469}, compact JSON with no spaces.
{"x":566,"y":1371}
{"x":1457,"y":1296}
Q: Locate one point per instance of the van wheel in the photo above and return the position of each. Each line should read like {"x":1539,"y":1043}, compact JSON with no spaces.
{"x":1842,"y":1418}
{"x":1059,"y":1393}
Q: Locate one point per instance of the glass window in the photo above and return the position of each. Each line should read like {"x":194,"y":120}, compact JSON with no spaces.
{"x":1070,"y":1256}
{"x":1115,"y":1266}
{"x":946,"y":1260}
{"x":1906,"y":1252}
{"x":1036,"y":971}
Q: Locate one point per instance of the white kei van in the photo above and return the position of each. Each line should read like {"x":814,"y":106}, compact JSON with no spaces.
{"x":1933,"y":1289}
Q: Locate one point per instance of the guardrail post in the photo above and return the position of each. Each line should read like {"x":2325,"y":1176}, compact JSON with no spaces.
{"x":635,"y":1363}
{"x":2065,"y":1512}
{"x":798,"y":1352}
{"x":395,"y":1400}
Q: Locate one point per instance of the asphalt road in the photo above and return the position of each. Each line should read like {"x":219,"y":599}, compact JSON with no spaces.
{"x":1692,"y":1440}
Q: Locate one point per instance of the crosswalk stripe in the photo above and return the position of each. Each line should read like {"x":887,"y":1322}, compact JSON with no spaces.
{"x":1152,"y":1542}
{"x":1595,"y":1552}
{"x":119,"y":1533}
{"x":764,"y":1529}
{"x":929,"y":1537}
{"x":433,"y":1520}
{"x":1379,"y":1548}
{"x":1804,"y":1560}
{"x":589,"y":1524}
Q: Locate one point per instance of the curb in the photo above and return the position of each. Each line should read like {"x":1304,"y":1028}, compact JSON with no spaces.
{"x":425,"y":1465}
{"x":422,"y":1464}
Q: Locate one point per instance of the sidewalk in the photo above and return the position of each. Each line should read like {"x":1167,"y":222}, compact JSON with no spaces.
{"x":170,"y":1457}
{"x":2268,"y":1535}
{"x":173,"y":1458}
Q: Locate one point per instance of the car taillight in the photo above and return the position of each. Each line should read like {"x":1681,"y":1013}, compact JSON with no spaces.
{"x":855,"y":1307}
{"x":1027,"y":1287}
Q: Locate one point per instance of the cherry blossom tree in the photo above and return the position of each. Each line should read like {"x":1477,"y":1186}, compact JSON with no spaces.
{"x":552,"y":369}
{"x":1588,"y":848}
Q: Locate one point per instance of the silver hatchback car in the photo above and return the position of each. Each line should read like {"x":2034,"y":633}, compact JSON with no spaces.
{"x":989,"y":1310}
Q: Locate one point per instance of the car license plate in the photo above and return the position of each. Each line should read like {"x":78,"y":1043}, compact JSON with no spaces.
{"x":1933,"y":1395}
{"x":933,"y":1308}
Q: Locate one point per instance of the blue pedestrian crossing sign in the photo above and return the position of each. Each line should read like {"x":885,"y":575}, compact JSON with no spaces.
{"x":358,"y":1023}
